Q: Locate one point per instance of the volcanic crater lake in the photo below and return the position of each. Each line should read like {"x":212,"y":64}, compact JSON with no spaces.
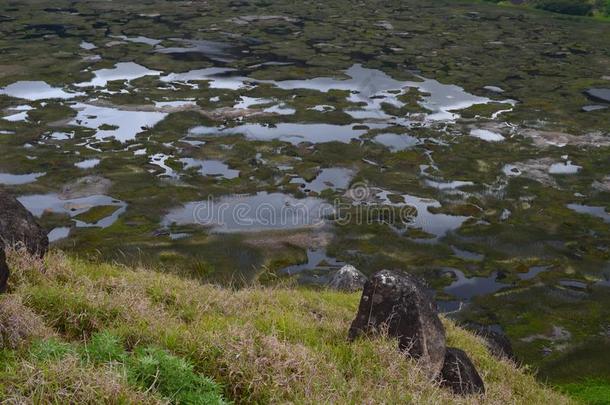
{"x":292,"y":143}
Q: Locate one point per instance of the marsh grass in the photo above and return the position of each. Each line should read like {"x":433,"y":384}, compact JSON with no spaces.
{"x":135,"y":335}
{"x":590,"y":391}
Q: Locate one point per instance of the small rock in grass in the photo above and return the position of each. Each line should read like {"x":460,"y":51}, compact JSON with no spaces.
{"x":348,"y":278}
{"x":459,"y":374}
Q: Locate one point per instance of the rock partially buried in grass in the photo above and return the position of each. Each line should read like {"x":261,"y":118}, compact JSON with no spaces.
{"x":347,"y":278}
{"x":459,"y":374}
{"x":3,"y":271}
{"x":398,"y":303}
{"x":496,"y":341}
{"x":18,"y":226}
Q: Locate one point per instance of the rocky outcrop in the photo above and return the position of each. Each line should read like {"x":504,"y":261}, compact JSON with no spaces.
{"x":85,"y":187}
{"x":459,"y":374}
{"x":3,"y":271}
{"x":18,"y":226}
{"x":347,"y":278}
{"x":398,"y":304}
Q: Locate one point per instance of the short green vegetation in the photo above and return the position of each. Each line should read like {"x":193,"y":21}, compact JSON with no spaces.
{"x":173,"y":377}
{"x":148,"y":369}
{"x":94,"y":214}
{"x":592,"y":392}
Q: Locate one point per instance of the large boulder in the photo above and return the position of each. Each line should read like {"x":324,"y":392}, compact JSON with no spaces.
{"x":3,"y":271}
{"x":398,"y":304}
{"x":347,"y":278}
{"x":18,"y":226}
{"x":459,"y":374}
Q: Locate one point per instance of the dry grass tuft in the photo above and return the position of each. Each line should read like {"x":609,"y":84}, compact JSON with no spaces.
{"x":18,"y":324}
{"x":69,"y":382}
{"x":26,"y":268}
{"x":257,"y":365}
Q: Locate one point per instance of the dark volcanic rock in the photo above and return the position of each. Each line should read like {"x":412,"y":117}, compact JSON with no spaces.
{"x":497,"y":342}
{"x":18,"y":226}
{"x":398,"y":303}
{"x":599,"y":94}
{"x":3,"y":271}
{"x":348,"y":278}
{"x":459,"y":373}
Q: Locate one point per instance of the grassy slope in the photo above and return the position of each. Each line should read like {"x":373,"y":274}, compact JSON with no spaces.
{"x":262,"y":344}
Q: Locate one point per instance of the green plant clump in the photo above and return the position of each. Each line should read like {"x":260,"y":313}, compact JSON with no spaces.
{"x":173,"y":377}
{"x":105,"y":347}
{"x":49,"y":350}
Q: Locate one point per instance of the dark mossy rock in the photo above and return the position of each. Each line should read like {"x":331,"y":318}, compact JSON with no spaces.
{"x":18,"y":226}
{"x":3,"y":271}
{"x":347,"y":278}
{"x":459,"y":374}
{"x":571,"y":7}
{"x":497,"y":342}
{"x":399,"y":304}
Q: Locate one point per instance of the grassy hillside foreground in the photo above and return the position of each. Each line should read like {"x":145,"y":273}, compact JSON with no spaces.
{"x":75,"y":332}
